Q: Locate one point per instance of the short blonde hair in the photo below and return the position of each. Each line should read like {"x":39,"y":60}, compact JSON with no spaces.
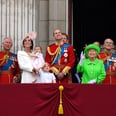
{"x":45,"y":64}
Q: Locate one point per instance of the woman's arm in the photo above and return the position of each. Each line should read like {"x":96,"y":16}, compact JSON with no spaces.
{"x":25,"y":62}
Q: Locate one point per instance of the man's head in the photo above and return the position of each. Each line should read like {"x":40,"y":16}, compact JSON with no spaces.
{"x":108,"y":44}
{"x":96,"y":43}
{"x":57,"y":34}
{"x":7,"y":44}
{"x":65,"y":38}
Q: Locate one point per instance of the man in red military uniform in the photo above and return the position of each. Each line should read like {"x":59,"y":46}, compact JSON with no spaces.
{"x":9,"y":68}
{"x":109,"y":58}
{"x":61,"y":58}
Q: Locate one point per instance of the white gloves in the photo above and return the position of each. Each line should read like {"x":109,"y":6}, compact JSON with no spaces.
{"x":82,"y":56}
{"x":92,"y":81}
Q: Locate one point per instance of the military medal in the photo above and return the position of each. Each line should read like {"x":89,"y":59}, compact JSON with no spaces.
{"x":114,"y":67}
{"x":65,"y":54}
{"x":65,"y":60}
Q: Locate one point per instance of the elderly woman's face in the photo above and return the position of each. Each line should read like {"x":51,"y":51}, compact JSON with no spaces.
{"x":92,"y":53}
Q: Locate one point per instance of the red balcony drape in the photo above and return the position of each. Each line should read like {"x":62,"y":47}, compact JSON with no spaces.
{"x":43,"y":100}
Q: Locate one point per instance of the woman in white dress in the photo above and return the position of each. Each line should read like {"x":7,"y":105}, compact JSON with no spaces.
{"x":25,"y":61}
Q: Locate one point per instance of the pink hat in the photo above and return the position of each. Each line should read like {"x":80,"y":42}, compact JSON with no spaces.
{"x":31,"y":35}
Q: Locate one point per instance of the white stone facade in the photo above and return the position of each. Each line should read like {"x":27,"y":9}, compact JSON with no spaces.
{"x":18,"y":17}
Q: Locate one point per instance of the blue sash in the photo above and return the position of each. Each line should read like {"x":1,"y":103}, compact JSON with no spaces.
{"x":9,"y":62}
{"x":109,"y":63}
{"x":65,"y":46}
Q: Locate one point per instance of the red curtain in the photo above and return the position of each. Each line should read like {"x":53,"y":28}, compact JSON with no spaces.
{"x":43,"y":100}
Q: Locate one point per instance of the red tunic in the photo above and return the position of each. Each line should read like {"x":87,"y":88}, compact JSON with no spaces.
{"x":61,"y":63}
{"x":8,"y":67}
{"x":110,"y":67}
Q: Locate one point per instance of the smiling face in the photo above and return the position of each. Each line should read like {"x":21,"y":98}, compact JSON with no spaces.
{"x":108,"y":44}
{"x":92,"y":53}
{"x":28,"y":43}
{"x":7,"y":44}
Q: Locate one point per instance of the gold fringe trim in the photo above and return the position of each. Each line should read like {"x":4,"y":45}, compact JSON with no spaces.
{"x":60,"y":108}
{"x":4,"y":59}
{"x":54,"y":70}
{"x":56,"y":53}
{"x":53,"y":52}
{"x":66,"y":70}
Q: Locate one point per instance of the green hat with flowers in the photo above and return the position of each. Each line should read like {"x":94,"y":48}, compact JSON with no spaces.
{"x":91,"y":46}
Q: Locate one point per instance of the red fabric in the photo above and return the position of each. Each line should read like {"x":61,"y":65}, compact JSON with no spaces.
{"x":6,"y":78}
{"x":109,"y":79}
{"x":11,"y":71}
{"x":67,"y":59}
{"x":71,"y":56}
{"x":2,"y":62}
{"x":43,"y":100}
{"x":103,"y":56}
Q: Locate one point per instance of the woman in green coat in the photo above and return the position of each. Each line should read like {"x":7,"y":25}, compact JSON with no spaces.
{"x":91,"y":67}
